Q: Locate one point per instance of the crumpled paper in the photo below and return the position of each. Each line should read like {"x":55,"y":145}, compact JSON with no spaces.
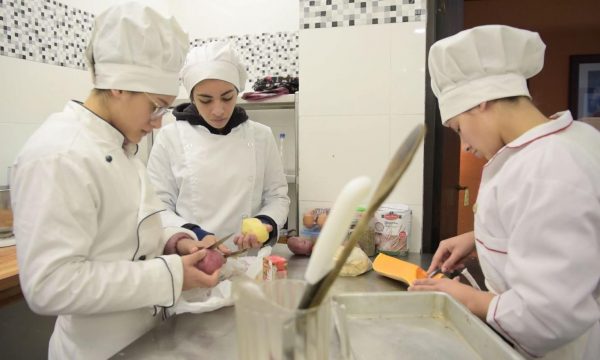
{"x":357,"y":263}
{"x":201,"y":300}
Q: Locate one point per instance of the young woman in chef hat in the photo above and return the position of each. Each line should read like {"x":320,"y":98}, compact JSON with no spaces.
{"x":537,"y":222}
{"x":90,"y":240}
{"x":214,"y":166}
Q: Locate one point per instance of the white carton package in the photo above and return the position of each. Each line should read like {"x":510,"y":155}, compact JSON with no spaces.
{"x":392,"y":226}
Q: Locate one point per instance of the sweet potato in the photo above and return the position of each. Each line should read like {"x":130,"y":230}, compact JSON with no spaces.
{"x":300,"y":245}
{"x":211,"y":262}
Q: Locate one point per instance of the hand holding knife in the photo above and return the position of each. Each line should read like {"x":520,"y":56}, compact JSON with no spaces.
{"x":220,"y":241}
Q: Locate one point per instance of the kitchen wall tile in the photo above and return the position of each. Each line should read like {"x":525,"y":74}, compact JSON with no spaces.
{"x":267,"y":54}
{"x":32,"y":91}
{"x":345,"y":71}
{"x":44,"y":31}
{"x":408,"y":68}
{"x":414,"y":242}
{"x":409,"y":189}
{"x":318,"y":14}
{"x":12,"y":137}
{"x":51,"y":32}
{"x":336,"y":149}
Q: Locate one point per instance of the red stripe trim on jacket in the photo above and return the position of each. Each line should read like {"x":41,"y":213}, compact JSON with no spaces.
{"x":489,"y":248}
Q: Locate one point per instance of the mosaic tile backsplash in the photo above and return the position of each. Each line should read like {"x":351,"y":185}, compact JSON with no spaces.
{"x":316,"y":14}
{"x":44,"y":31}
{"x":274,"y":54}
{"x":50,"y":32}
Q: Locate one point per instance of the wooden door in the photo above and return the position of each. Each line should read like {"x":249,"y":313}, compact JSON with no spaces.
{"x":442,"y":146}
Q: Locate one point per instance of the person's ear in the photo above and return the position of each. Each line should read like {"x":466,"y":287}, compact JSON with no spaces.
{"x":116,"y":93}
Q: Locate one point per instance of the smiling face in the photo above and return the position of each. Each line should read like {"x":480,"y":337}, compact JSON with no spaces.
{"x":136,"y":114}
{"x":215,"y":101}
{"x":477,"y":131}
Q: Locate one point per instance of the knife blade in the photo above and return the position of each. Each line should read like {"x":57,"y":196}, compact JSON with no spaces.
{"x":220,"y":241}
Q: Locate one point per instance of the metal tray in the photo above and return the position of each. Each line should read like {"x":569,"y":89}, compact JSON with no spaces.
{"x":394,"y":325}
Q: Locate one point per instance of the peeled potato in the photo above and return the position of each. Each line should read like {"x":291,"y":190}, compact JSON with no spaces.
{"x":255,"y":227}
{"x":211,"y":262}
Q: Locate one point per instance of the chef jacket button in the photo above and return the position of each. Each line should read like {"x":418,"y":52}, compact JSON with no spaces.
{"x":143,"y":257}
{"x":108,"y":158}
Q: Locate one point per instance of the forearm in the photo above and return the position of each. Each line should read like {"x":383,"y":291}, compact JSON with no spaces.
{"x":479,"y":303}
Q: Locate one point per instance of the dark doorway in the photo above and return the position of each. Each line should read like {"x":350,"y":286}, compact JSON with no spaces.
{"x":442,"y":146}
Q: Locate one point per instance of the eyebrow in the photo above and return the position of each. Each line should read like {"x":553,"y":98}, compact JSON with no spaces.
{"x":210,"y":96}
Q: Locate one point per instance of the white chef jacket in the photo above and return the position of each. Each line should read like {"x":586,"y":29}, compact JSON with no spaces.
{"x":537,"y":232}
{"x":216,"y":180}
{"x":85,"y":219}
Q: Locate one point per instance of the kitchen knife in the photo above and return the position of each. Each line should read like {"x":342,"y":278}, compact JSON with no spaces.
{"x":220,"y":241}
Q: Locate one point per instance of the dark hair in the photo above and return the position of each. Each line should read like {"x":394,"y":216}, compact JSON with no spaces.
{"x":101,"y":92}
{"x":511,"y":99}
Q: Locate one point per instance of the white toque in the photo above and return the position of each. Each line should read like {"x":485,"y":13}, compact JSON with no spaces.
{"x":481,"y":64}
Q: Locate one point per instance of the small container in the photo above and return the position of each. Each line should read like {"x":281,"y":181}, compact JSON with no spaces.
{"x":6,"y":214}
{"x":281,"y":150}
{"x":366,"y":240}
{"x":274,"y":267}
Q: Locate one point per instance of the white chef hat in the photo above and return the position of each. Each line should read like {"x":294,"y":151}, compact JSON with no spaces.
{"x":134,"y":48}
{"x":481,"y":64}
{"x":216,"y":60}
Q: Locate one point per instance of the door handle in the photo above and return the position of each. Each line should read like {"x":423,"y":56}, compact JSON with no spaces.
{"x":466,"y":200}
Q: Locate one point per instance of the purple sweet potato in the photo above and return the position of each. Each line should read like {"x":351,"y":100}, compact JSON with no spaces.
{"x":300,"y":245}
{"x":211,"y":262}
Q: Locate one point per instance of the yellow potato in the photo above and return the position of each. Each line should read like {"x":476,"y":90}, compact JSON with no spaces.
{"x":255,"y":227}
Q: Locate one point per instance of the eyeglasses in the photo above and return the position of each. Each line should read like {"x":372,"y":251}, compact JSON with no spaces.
{"x":158,"y":110}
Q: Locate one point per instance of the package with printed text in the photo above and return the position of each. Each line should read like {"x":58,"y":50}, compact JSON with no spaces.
{"x":392,"y":224}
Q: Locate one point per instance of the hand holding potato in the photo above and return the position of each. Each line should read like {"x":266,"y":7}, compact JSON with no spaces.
{"x":254,"y":234}
{"x":253,"y":226}
{"x":187,"y":246}
{"x":192,"y":277}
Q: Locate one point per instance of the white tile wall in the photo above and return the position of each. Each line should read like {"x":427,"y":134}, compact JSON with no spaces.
{"x":345,"y":71}
{"x":362,"y":92}
{"x":407,"y":68}
{"x":30,"y":92}
{"x":336,"y":149}
{"x":12,"y":137}
{"x":410,"y":187}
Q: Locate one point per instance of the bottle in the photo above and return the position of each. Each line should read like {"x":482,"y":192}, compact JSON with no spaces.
{"x":281,"y":151}
{"x":366,"y":239}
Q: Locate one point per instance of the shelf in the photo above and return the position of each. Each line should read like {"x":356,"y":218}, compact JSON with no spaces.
{"x":287,"y":101}
{"x":291,"y":179}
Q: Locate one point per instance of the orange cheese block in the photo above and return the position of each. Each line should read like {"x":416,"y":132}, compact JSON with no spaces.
{"x":399,"y":270}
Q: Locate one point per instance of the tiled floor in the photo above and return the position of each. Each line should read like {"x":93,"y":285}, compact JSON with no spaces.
{"x":23,"y":334}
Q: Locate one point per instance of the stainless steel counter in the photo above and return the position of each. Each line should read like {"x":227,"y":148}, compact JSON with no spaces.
{"x":212,"y":335}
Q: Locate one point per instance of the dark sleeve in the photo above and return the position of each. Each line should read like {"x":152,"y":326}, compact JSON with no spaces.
{"x":272,"y":240}
{"x":200,"y":233}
